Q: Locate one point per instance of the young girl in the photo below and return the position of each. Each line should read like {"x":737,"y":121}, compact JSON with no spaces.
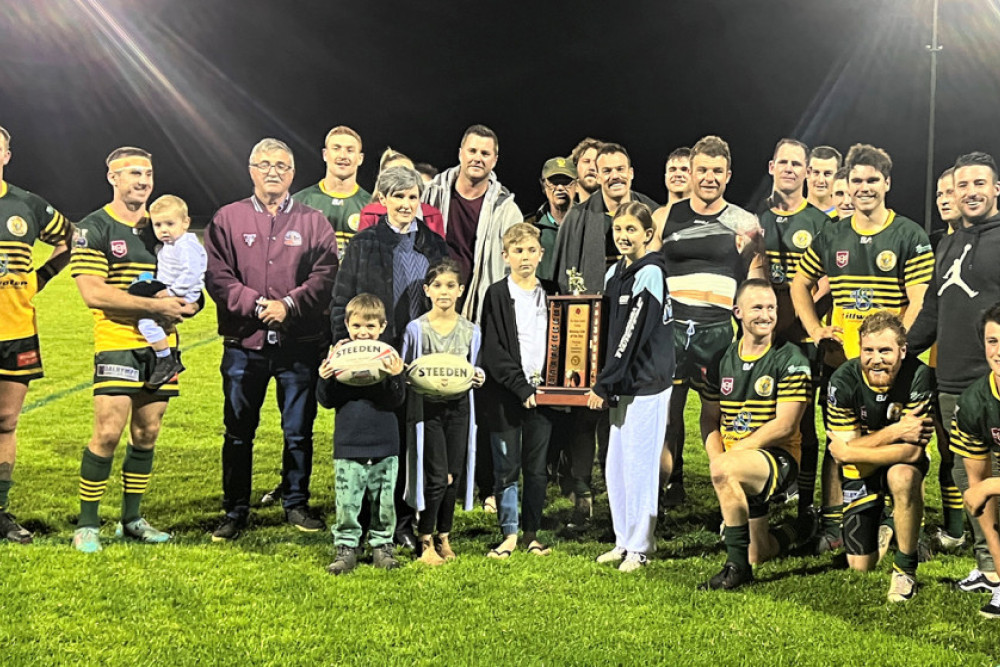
{"x":441,"y":433}
{"x":635,"y":382}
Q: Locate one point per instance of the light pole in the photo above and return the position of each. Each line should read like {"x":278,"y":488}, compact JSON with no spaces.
{"x":933,"y":48}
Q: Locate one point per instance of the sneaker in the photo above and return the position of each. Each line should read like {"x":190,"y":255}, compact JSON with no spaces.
{"x":164,"y":369}
{"x":583,"y":510}
{"x":828,"y":542}
{"x":12,"y":531}
{"x":943,"y":542}
{"x":384,"y":557}
{"x":616,"y":555}
{"x":675,"y":495}
{"x":731,"y":577}
{"x":924,"y":552}
{"x":976,"y":582}
{"x":229,"y":529}
{"x":301,"y":519}
{"x":992,"y":608}
{"x":87,"y":540}
{"x":633,"y":561}
{"x":884,"y":540}
{"x":902,"y":587}
{"x":346,"y":560}
{"x":271,"y":497}
{"x":139,"y":529}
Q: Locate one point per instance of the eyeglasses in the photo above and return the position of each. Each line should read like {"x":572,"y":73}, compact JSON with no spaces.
{"x":558,"y":184}
{"x":265,"y":167}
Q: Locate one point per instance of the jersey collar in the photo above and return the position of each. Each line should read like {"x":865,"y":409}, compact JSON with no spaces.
{"x":993,"y":386}
{"x":885,"y":225}
{"x":3,"y":188}
{"x":114,"y":216}
{"x":337,"y":195}
{"x":798,"y":209}
{"x":755,"y":357}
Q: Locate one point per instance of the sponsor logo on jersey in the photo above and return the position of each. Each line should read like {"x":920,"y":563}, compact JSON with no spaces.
{"x":864,"y":298}
{"x":831,"y":396}
{"x":80,"y":238}
{"x":29,"y":358}
{"x":293,"y":239}
{"x":726,"y":387}
{"x":777,"y":273}
{"x":764,"y":385}
{"x":4,"y":263}
{"x":851,"y":495}
{"x":119,"y":248}
{"x":802,"y":239}
{"x":741,"y":424}
{"x":926,"y":247}
{"x":354,"y":221}
{"x":995,"y":432}
{"x":336,"y":202}
{"x":781,"y":218}
{"x":249,"y":239}
{"x":17,"y":226}
{"x":866,"y":240}
{"x":894,"y":412}
{"x":842,"y":258}
{"x":886,"y":260}
{"x":748,"y":365}
{"x":864,"y":413}
{"x":118,"y":371}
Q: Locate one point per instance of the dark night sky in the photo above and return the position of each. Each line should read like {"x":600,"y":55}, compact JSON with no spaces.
{"x":199,"y":82}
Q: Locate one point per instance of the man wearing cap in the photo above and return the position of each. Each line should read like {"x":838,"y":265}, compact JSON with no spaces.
{"x":559,"y":186}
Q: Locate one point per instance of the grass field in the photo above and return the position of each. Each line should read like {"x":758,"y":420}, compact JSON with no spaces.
{"x":266,"y":599}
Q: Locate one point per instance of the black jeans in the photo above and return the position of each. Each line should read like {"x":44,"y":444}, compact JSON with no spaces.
{"x":446,"y":439}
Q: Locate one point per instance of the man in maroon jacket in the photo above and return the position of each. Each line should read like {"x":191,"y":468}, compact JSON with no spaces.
{"x":271,"y":265}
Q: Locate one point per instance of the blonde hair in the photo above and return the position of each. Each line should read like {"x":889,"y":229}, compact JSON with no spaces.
{"x":167,"y":204}
{"x":518,"y":233}
{"x":342,"y":129}
{"x":366,"y":307}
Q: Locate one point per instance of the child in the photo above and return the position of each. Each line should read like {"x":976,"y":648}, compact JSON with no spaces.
{"x":180,"y":271}
{"x":635,"y":382}
{"x":444,"y":434}
{"x":365,"y":444}
{"x":515,"y":330}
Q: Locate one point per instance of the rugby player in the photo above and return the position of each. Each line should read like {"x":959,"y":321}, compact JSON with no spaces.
{"x":677,"y":178}
{"x":824,"y":161}
{"x":26,"y":218}
{"x":753,"y":449}
{"x":113,"y":248}
{"x":880,"y":420}
{"x":842,"y":204}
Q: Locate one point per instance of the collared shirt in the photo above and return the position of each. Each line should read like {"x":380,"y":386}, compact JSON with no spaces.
{"x":254,"y":255}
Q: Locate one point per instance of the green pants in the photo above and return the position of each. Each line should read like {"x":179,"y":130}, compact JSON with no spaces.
{"x":355,"y":478}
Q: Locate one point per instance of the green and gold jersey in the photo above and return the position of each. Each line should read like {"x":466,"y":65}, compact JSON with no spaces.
{"x":343,"y":211}
{"x":752,"y":387}
{"x":869,"y":271}
{"x":853,"y":406}
{"x":24,"y":218}
{"x":975,"y":428}
{"x":787,"y":236}
{"x":120,"y":253}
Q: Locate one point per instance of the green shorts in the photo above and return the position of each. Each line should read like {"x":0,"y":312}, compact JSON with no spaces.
{"x":20,"y":359}
{"x":124,"y":372}
{"x":864,"y":502}
{"x":784,"y":471}
{"x":698,"y":349}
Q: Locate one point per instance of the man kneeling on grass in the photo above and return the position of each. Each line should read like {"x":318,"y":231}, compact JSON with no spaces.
{"x":754,"y":452}
{"x":880,"y":422}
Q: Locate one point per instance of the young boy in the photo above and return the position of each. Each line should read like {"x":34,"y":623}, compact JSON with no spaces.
{"x":515,"y":318}
{"x":365,"y":444}
{"x":180,"y":271}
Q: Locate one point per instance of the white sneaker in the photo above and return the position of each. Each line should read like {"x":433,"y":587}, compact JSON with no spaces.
{"x":633,"y":561}
{"x":976,"y":582}
{"x":992,"y":609}
{"x":942,"y":541}
{"x":614,"y":556}
{"x":902,"y":587}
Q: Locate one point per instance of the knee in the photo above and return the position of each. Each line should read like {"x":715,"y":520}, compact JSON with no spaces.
{"x":8,"y":421}
{"x":904,"y":482}
{"x":721,"y":471}
{"x":144,"y":437}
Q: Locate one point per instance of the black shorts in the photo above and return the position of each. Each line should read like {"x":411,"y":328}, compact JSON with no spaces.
{"x":124,"y":372}
{"x":784,"y":471}
{"x":20,"y":359}
{"x":864,"y":502}
{"x":698,"y":349}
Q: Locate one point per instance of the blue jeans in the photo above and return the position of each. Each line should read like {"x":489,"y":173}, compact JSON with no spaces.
{"x":517,"y":451}
{"x":245,"y":376}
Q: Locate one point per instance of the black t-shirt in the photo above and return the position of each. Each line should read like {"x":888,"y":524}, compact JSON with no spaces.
{"x":463,"y":219}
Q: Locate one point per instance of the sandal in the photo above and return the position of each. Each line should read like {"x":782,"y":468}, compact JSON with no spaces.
{"x":536,"y":548}
{"x":490,"y":505}
{"x":499,"y":554}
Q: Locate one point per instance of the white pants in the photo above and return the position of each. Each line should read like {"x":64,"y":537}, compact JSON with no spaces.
{"x":638,"y":425}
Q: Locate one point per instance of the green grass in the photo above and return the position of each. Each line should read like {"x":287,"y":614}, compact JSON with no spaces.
{"x":267,"y":600}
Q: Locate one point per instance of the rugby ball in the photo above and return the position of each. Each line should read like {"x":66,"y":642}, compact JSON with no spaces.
{"x":359,"y":362}
{"x":441,"y":375}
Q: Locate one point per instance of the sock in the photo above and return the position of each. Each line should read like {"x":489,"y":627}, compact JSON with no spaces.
{"x":831,"y":517}
{"x":136,"y":471}
{"x":5,"y":485}
{"x":785,"y":535}
{"x":906,"y":563}
{"x":94,"y":473}
{"x":807,"y":489}
{"x":951,"y":503}
{"x":162,"y":353}
{"x":737,"y":540}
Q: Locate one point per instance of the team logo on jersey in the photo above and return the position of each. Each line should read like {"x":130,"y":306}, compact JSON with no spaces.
{"x":249,"y":239}
{"x":842,"y":258}
{"x":354,"y":221}
{"x":80,"y":238}
{"x":864,"y":298}
{"x":801,"y":239}
{"x":886,"y":260}
{"x":17,"y":226}
{"x":777,"y":274}
{"x":894,"y":412}
{"x":293,"y":239}
{"x":995,"y":432}
{"x":764,"y":385}
{"x":119,"y":248}
{"x":726,"y":387}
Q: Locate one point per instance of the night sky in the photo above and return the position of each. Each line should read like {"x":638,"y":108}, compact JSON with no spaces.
{"x":197,"y":83}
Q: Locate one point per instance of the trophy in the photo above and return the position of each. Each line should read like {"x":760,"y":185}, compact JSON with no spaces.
{"x":575,"y":348}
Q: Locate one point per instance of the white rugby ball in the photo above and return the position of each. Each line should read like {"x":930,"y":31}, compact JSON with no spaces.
{"x":359,"y":362}
{"x":441,"y":375}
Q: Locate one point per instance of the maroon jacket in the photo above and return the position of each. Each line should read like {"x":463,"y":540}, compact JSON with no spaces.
{"x":291,"y":256}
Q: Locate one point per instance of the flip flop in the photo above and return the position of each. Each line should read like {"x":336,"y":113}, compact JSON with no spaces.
{"x":539,"y":549}
{"x":499,"y":554}
{"x":490,"y":505}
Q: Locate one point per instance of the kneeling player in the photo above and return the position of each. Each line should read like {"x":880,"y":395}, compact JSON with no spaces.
{"x":880,"y":421}
{"x":754,"y":451}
